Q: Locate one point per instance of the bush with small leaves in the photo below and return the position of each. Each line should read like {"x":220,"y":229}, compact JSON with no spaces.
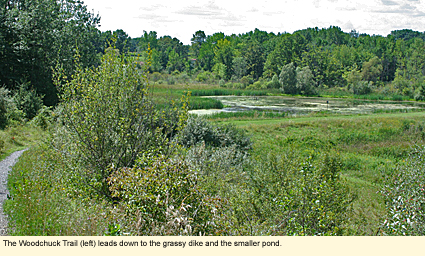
{"x":420,"y":93}
{"x":162,"y":196}
{"x":1,"y":144}
{"x":110,"y":118}
{"x":274,"y":83}
{"x":288,"y":79}
{"x":283,"y":196}
{"x":43,"y":118}
{"x":362,"y":87}
{"x":204,"y":76}
{"x":27,"y":100}
{"x":9,"y":113}
{"x":229,"y":135}
{"x":404,"y":194}
{"x":5,"y":102}
{"x":305,"y":81}
{"x":198,"y":130}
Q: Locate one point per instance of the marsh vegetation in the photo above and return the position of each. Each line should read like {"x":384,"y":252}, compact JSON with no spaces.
{"x":318,"y":132}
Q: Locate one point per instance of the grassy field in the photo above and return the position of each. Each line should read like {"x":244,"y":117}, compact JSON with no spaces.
{"x":370,"y":146}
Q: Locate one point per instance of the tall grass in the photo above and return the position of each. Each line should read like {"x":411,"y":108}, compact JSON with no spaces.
{"x":235,"y":92}
{"x":43,"y":204}
{"x":18,"y":137}
{"x":204,"y":103}
{"x":369,"y":147}
{"x":243,"y":115}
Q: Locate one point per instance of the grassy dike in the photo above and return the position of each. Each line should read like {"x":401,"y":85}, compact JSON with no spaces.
{"x":370,"y":147}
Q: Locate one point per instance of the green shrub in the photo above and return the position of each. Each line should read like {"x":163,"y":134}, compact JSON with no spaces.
{"x":274,"y":83}
{"x":362,"y":88}
{"x":217,"y":162}
{"x":9,"y":113}
{"x":156,"y":76}
{"x":228,"y":135}
{"x":183,"y":77}
{"x":293,"y":196}
{"x":204,"y":76}
{"x":43,"y":119}
{"x":420,"y":93}
{"x":247,"y":80}
{"x":161,"y":196}
{"x":198,"y":130}
{"x":228,"y":85}
{"x":305,"y":84}
{"x":405,"y":197}
{"x":257,"y":85}
{"x":110,"y":119}
{"x":5,"y":102}
{"x":239,"y":86}
{"x":27,"y":100}
{"x":288,"y":79}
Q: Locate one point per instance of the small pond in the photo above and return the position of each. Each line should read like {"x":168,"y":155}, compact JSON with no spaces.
{"x":300,"y":106}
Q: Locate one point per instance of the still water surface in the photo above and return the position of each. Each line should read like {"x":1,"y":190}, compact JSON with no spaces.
{"x":307,"y":105}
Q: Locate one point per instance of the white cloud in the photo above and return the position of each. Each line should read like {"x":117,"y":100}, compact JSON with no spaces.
{"x":182,"y":19}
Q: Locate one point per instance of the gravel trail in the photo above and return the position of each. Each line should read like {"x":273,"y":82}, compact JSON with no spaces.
{"x":5,"y":167}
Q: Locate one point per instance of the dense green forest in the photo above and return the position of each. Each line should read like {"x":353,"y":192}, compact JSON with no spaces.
{"x":114,"y":150}
{"x":36,"y":36}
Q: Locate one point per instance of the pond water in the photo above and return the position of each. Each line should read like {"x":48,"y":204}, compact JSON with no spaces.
{"x":295,"y":105}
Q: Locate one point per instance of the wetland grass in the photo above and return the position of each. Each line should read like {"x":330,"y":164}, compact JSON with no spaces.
{"x":369,"y":146}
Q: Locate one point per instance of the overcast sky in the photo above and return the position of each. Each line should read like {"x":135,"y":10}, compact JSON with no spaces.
{"x":181,"y":19}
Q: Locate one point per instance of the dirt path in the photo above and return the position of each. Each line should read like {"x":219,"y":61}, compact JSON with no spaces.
{"x":5,"y":167}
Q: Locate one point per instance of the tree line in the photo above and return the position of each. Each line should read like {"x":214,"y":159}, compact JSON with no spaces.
{"x":36,"y":36}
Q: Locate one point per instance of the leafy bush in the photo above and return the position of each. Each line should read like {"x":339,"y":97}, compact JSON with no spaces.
{"x":198,"y":130}
{"x":228,"y":135}
{"x":260,"y":84}
{"x":184,"y":77}
{"x":362,"y":88}
{"x":5,"y":102}
{"x":289,"y":197}
{"x":161,"y":196}
{"x":247,"y":80}
{"x":204,"y":76}
{"x":405,"y":197}
{"x":220,"y":71}
{"x":9,"y":113}
{"x":28,"y":101}
{"x":43,"y":119}
{"x":110,"y":119}
{"x":274,"y":83}
{"x":420,"y":93}
{"x":217,"y":162}
{"x":305,"y":81}
{"x":238,"y":86}
{"x":275,"y":195}
{"x":156,"y":76}
{"x":288,"y":79}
